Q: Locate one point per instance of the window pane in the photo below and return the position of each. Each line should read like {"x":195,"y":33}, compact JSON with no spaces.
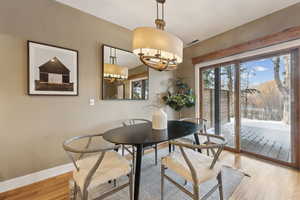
{"x":265,"y":107}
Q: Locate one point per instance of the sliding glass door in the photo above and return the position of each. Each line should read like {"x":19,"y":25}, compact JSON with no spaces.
{"x":265,"y":107}
{"x":249,"y":102}
{"x":218,"y":98}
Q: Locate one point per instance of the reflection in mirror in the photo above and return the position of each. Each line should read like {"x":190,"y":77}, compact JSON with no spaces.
{"x":124,"y":76}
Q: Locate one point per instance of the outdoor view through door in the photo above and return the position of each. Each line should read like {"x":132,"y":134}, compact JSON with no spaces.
{"x":265,"y":107}
{"x":219,"y":106}
{"x":262,"y":95}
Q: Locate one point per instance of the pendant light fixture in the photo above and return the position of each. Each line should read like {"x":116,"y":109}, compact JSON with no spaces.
{"x":157,"y":48}
{"x":112,"y":71}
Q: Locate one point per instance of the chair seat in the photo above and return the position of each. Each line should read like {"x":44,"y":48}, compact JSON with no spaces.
{"x":201,"y":163}
{"x":112,"y":167}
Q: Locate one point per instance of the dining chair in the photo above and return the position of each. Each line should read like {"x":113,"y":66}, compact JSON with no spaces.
{"x":96,"y":163}
{"x":202,"y":140}
{"x":199,"y":121}
{"x":195,"y":167}
{"x":191,"y":138}
{"x":131,"y":149}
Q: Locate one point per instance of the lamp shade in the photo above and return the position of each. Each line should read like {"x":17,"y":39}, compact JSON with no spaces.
{"x":149,"y":41}
{"x":115,"y":71}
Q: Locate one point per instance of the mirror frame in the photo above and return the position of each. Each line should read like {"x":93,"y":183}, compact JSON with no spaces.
{"x":102,"y":76}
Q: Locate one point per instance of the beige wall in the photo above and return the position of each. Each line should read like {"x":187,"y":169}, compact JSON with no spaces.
{"x":272,"y":23}
{"x":32,"y":128}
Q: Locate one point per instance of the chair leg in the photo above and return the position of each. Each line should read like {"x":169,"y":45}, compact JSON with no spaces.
{"x":123,"y":149}
{"x":80,"y":194}
{"x":185,"y":182}
{"x":155,"y":148}
{"x":162,"y":182}
{"x":219,"y":177}
{"x":74,"y":192}
{"x":131,"y":185}
{"x":170,"y":148}
{"x":133,"y":158}
{"x":196,"y":191}
{"x":85,"y":195}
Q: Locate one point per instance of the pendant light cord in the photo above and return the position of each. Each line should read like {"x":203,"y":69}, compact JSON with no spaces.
{"x":110,"y":56}
{"x":113,"y":55}
{"x":162,"y":10}
{"x":157,"y":10}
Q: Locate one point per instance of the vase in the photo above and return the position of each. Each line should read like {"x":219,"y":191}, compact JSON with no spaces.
{"x":159,"y":119}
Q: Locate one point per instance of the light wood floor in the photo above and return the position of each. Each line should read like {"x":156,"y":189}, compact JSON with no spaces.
{"x":56,"y":188}
{"x":268,"y":182}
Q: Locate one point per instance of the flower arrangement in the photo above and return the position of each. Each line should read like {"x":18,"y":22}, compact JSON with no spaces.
{"x":183,"y":96}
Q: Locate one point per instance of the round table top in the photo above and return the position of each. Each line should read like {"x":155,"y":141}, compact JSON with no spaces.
{"x":144,"y":134}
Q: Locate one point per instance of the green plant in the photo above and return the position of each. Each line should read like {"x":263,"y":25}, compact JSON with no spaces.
{"x":183,"y":96}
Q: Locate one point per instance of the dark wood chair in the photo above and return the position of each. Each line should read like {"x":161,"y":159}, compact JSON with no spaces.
{"x":131,"y":149}
{"x":191,"y":138}
{"x":198,"y":121}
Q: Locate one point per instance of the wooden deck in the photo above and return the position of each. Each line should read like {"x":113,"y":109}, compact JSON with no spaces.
{"x":269,"y":140}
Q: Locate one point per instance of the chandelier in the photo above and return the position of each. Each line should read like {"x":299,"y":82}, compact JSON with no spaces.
{"x":112,"y":71}
{"x":157,"y":48}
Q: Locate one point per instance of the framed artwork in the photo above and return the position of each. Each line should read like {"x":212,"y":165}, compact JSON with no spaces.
{"x":52,"y":70}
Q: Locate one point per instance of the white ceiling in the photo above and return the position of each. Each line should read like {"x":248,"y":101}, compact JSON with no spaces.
{"x":188,"y":19}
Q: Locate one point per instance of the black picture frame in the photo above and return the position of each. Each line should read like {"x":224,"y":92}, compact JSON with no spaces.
{"x":45,"y":88}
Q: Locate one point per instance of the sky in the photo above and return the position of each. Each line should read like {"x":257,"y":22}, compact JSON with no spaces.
{"x":262,"y":70}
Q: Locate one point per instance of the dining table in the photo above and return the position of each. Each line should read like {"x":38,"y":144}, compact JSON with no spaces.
{"x":142,"y":135}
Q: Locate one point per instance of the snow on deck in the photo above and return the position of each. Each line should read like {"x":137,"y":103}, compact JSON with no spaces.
{"x":268,"y":138}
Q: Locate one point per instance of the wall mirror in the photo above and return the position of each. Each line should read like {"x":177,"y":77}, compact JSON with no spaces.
{"x":124,"y":76}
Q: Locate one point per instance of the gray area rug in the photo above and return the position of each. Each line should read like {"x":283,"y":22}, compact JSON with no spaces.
{"x":150,"y":183}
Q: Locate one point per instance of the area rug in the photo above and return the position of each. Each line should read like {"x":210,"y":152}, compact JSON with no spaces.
{"x":150,"y":183}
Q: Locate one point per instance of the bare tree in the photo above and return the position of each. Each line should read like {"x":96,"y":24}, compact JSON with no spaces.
{"x":283,"y":86}
{"x":228,"y":72}
{"x":246,"y":88}
{"x":209,"y":78}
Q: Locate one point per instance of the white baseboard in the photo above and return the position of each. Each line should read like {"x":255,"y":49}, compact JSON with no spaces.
{"x":21,"y":181}
{"x":35,"y":177}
